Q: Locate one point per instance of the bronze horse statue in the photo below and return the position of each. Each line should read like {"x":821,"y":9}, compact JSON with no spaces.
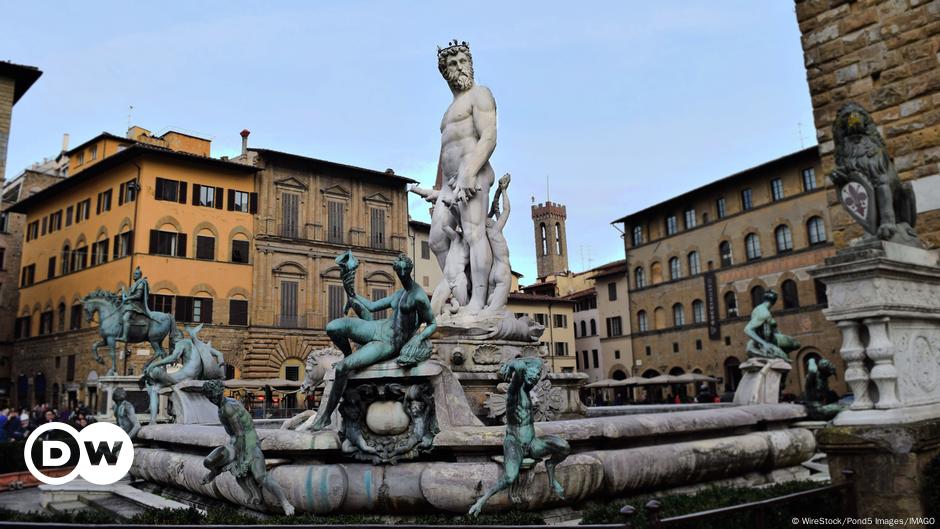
{"x":108,"y":306}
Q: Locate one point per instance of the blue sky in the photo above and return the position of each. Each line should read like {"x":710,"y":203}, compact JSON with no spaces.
{"x":618,"y":104}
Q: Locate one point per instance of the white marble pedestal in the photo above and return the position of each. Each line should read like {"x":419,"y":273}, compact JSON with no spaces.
{"x":761,"y":381}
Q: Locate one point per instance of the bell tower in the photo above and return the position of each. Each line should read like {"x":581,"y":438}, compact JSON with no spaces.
{"x":551,"y":241}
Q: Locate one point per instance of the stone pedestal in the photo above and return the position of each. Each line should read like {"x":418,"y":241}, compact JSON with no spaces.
{"x":761,"y":380}
{"x":188,"y":404}
{"x":476,"y":363}
{"x":136,"y":396}
{"x":885,"y":297}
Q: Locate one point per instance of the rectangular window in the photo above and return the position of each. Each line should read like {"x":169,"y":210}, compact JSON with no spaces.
{"x":45,"y":225}
{"x":3,"y":252}
{"x":170,"y":190}
{"x":336,"y":300}
{"x":288,"y":316}
{"x":79,"y":259}
{"x":93,"y":152}
{"x":32,"y":230}
{"x":104,"y":202}
{"x":290,"y":204}
{"x":672,"y":225}
{"x":28,"y":275}
{"x":425,"y":250}
{"x":541,"y":318}
{"x":809,"y":179}
{"x":167,"y":243}
{"x":239,"y":251}
{"x":68,"y":216}
{"x":776,"y":189}
{"x":123,"y":244}
{"x":720,"y":206}
{"x":746,"y":202}
{"x":70,"y":368}
{"x":75,"y":318}
{"x":23,"y":327}
{"x":637,"y":237}
{"x":45,"y":323}
{"x":334,"y":221}
{"x":202,"y":310}
{"x":127,"y":192}
{"x":377,"y":294}
{"x":161,"y":303}
{"x":50,"y":272}
{"x":239,"y":201}
{"x":55,"y":221}
{"x":4,"y":222}
{"x":377,"y":235}
{"x":207,"y":196}
{"x":689,"y":218}
{"x":560,"y":321}
{"x":83,"y":210}
{"x":584,"y":362}
{"x":237,"y":312}
{"x":612,"y":291}
{"x":99,"y":252}
{"x":596,"y":358}
{"x":561,"y":348}
{"x":614,"y":326}
{"x":205,"y":247}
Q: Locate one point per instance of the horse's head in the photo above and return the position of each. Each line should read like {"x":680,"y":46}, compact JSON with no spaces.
{"x":96,"y":301}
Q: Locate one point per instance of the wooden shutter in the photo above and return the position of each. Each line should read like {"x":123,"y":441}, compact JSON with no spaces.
{"x":196,"y":192}
{"x":378,"y":228}
{"x":219,"y":193}
{"x":231,"y":200}
{"x":335,"y":221}
{"x":98,"y":207}
{"x":206,"y":316}
{"x":184,"y":308}
{"x":121,"y":189}
{"x":253,"y":203}
{"x":288,"y":302}
{"x":183,"y":187}
{"x":154,"y":241}
{"x":181,"y":245}
{"x":94,"y":253}
{"x":289,"y":203}
{"x":335,"y":301}
{"x":130,"y":242}
{"x":117,"y":243}
{"x":237,"y":312}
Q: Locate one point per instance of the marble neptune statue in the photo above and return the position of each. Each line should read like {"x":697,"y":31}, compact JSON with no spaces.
{"x":466,"y":233}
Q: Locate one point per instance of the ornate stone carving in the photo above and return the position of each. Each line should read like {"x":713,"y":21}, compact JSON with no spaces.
{"x":856,"y":374}
{"x":883,"y":373}
{"x":487,"y":355}
{"x":547,"y":400}
{"x":406,"y":430}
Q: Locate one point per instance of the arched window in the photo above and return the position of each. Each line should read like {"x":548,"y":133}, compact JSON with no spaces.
{"x":66,"y":259}
{"x":659,"y":318}
{"x":678,"y":315}
{"x":784,"y":238}
{"x":558,"y":238}
{"x":656,"y":273}
{"x":544,"y":234}
{"x":583,"y":328}
{"x":756,"y":294}
{"x":791,"y":298}
{"x":641,"y":323}
{"x":593,"y":327}
{"x":731,"y":305}
{"x":675,"y":269}
{"x":752,"y":246}
{"x":698,"y":311}
{"x":727,"y":258}
{"x":60,"y":315}
{"x":639,"y":277}
{"x":816,"y":230}
{"x":695,"y":267}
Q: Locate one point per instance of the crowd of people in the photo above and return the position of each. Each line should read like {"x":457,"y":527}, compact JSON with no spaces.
{"x":17,"y":425}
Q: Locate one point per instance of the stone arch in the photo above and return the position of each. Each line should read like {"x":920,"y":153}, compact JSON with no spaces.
{"x":756,"y":282}
{"x":659,"y":318}
{"x":656,"y":273}
{"x":289,"y":347}
{"x":103,"y":230}
{"x":164,"y":285}
{"x":380,"y":276}
{"x":80,"y":241}
{"x":206,"y":226}
{"x":676,"y":371}
{"x":237,"y":291}
{"x":168,"y":219}
{"x":802,"y":358}
{"x":125,"y":225}
{"x":291,"y":268}
{"x":239,"y":230}
{"x":332,"y":272}
{"x":618,"y":372}
{"x":732,"y":372}
{"x":203,"y":287}
{"x":650,"y":373}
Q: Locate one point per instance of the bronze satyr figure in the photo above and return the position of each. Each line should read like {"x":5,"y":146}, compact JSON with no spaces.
{"x":520,"y":442}
{"x":241,"y":455}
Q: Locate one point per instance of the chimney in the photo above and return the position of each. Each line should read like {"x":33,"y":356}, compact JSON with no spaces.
{"x":65,"y":142}
{"x":245,"y":134}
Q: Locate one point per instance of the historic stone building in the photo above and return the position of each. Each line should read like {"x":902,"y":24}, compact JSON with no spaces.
{"x":427,"y":270}
{"x":309,"y":212}
{"x":699,"y":262}
{"x":557,"y":315}
{"x":160,"y":203}
{"x":551,"y":240}
{"x":586,"y":338}
{"x":15,"y":80}
{"x":882,"y":55}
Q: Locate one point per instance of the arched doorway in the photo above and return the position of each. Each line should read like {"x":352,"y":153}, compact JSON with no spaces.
{"x":678,"y":389}
{"x":732,"y":373}
{"x":620,"y":393}
{"x":651,"y":394}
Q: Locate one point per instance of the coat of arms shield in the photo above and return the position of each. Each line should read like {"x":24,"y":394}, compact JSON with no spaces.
{"x":858,"y":198}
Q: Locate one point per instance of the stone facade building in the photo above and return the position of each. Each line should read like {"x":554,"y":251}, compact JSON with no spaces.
{"x":15,"y":80}
{"x":309,"y":212}
{"x":699,"y":262}
{"x":557,"y":315}
{"x":884,"y":56}
{"x":427,"y":270}
{"x":551,"y":239}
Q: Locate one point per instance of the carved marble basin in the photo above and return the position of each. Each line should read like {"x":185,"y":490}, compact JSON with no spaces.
{"x":387,"y":418}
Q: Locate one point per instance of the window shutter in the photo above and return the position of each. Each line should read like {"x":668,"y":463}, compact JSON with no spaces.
{"x":183,"y":186}
{"x":219,"y":193}
{"x":184,"y":308}
{"x":181,"y":244}
{"x":253,"y":203}
{"x":206,"y":316}
{"x":231,"y":200}
{"x":94,"y":253}
{"x":121,"y":191}
{"x":117,"y":243}
{"x":154,"y":234}
{"x":130,"y":242}
{"x":196,"y":193}
{"x":98,"y":207}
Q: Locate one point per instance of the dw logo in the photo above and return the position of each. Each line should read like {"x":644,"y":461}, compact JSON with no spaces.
{"x":105,"y":452}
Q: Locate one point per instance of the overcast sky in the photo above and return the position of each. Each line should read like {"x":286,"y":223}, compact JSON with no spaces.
{"x":619,"y":105}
